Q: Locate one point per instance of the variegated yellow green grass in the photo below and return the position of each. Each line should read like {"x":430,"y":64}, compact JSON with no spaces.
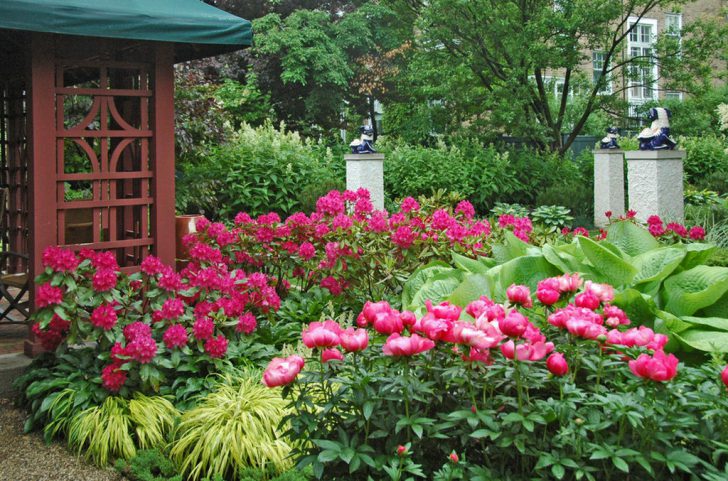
{"x":232,"y":428}
{"x":107,"y":432}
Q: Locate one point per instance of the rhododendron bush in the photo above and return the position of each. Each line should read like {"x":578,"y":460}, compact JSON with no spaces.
{"x":151,"y":328}
{"x":349,"y":248}
{"x":557,"y":383}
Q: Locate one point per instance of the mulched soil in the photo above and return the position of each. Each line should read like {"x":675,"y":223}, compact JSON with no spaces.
{"x":26,"y":457}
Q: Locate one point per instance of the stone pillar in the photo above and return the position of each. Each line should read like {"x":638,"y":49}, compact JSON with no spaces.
{"x":608,"y":184}
{"x":655,"y":183}
{"x":367,"y":171}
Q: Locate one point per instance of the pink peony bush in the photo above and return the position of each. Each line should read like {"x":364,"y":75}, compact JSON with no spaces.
{"x":501,"y":385}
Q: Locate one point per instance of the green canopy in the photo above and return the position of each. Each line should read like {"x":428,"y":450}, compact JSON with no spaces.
{"x":180,"y":21}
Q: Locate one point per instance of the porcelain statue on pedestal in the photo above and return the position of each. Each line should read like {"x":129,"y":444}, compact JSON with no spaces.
{"x":657,"y":135}
{"x":610,"y":141}
{"x":365,"y":143}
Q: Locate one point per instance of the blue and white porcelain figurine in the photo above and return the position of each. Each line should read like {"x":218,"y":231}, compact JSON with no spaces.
{"x":610,"y":141}
{"x":657,"y":135}
{"x":365,"y":143}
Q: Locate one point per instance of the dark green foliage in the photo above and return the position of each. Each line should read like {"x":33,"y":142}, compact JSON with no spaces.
{"x":252,"y":474}
{"x":259,"y":170}
{"x":706,"y":164}
{"x":148,"y":465}
{"x":719,"y":258}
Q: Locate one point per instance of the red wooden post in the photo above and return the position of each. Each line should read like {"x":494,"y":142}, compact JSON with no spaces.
{"x":163,"y":228}
{"x":42,"y":157}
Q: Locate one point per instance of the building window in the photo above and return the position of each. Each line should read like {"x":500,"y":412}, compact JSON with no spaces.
{"x":673,"y":25}
{"x":673,"y":95}
{"x":642,"y":74}
{"x":597,"y":66}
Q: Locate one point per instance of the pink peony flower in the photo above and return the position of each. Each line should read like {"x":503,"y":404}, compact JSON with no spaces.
{"x":354,"y":340}
{"x":587,"y":300}
{"x":175,"y":336}
{"x":556,"y":364}
{"x":216,"y":347}
{"x":604,"y":292}
{"x":659,"y":367}
{"x":547,"y":297}
{"x":408,"y":318}
{"x":526,"y":351}
{"x":48,"y":295}
{"x":104,"y":317}
{"x":113,"y":377}
{"x":203,"y":328}
{"x":566,"y":282}
{"x":514,"y":324}
{"x":282,"y":371}
{"x":331,"y":354}
{"x":321,"y":334}
{"x":519,"y":294}
{"x":397,"y":345}
{"x":477,"y":355}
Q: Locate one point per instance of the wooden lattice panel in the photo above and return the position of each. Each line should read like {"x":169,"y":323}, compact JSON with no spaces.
{"x":104,"y":166}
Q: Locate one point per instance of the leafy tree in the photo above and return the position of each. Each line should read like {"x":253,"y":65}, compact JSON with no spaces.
{"x":510,"y":49}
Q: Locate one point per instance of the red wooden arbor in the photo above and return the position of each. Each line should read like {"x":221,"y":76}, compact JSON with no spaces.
{"x":87,"y":132}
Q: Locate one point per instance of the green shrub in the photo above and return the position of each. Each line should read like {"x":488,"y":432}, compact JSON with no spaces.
{"x":259,"y":170}
{"x":232,"y":428}
{"x":148,"y":465}
{"x":706,"y":163}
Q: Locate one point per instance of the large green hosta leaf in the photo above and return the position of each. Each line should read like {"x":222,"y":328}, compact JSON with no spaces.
{"x":697,"y":254}
{"x":527,"y":270}
{"x":687,"y":292}
{"x":476,"y":266}
{"x":512,"y":248}
{"x":614,"y":268}
{"x":712,"y":322}
{"x":705,"y":340}
{"x":419,"y":277}
{"x":657,"y":264}
{"x":631,"y":238}
{"x":666,"y":323}
{"x":717,"y":309}
{"x":472,"y":287}
{"x":640,"y":309}
{"x":436,"y":289}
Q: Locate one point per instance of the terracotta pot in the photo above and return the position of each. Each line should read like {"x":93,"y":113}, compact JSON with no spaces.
{"x":183,"y":225}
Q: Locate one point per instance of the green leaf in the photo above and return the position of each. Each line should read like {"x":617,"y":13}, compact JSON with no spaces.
{"x":347,"y":454}
{"x":631,"y":238}
{"x":714,"y":322}
{"x":436,"y":289}
{"x":328,"y":455}
{"x":620,"y":464}
{"x":697,"y":253}
{"x":687,"y":292}
{"x":640,"y":309}
{"x":419,"y":277}
{"x":704,"y":340}
{"x":527,"y":270}
{"x":657,"y":264}
{"x":468,"y":264}
{"x":472,"y":287}
{"x":615,"y":270}
{"x":558,"y":471}
{"x":512,"y":248}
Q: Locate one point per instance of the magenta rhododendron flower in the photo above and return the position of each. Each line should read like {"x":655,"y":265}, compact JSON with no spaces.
{"x":409,"y":204}
{"x":697,"y":233}
{"x":203,"y":328}
{"x":113,"y":377}
{"x":136,"y":330}
{"x":48,"y":295}
{"x":142,"y":349}
{"x":658,"y":367}
{"x":677,"y":228}
{"x":246,"y":323}
{"x":104,"y":317}
{"x":104,"y":280}
{"x":321,"y":334}
{"x":404,"y":237}
{"x":282,"y":371}
{"x":333,"y":285}
{"x":172,"y":308}
{"x":216,"y":347}
{"x":331,"y":354}
{"x":354,"y":340}
{"x":60,"y":260}
{"x":519,"y":294}
{"x":556,"y":364}
{"x":397,"y":345}
{"x":175,"y":336}
{"x":105,"y":261}
{"x":151,"y":266}
{"x":306,"y":250}
{"x":54,"y":334}
{"x":466,"y":209}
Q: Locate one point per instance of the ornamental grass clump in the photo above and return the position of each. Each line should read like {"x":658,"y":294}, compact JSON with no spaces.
{"x":232,"y":428}
{"x":561,"y":388}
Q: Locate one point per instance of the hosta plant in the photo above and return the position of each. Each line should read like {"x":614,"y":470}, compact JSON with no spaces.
{"x":556,"y":385}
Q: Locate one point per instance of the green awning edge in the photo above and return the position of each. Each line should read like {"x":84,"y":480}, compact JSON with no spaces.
{"x":197,"y":28}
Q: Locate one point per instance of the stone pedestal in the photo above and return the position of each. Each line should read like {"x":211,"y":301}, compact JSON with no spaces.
{"x":367,"y":171}
{"x":608,"y":185}
{"x":655,"y":183}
